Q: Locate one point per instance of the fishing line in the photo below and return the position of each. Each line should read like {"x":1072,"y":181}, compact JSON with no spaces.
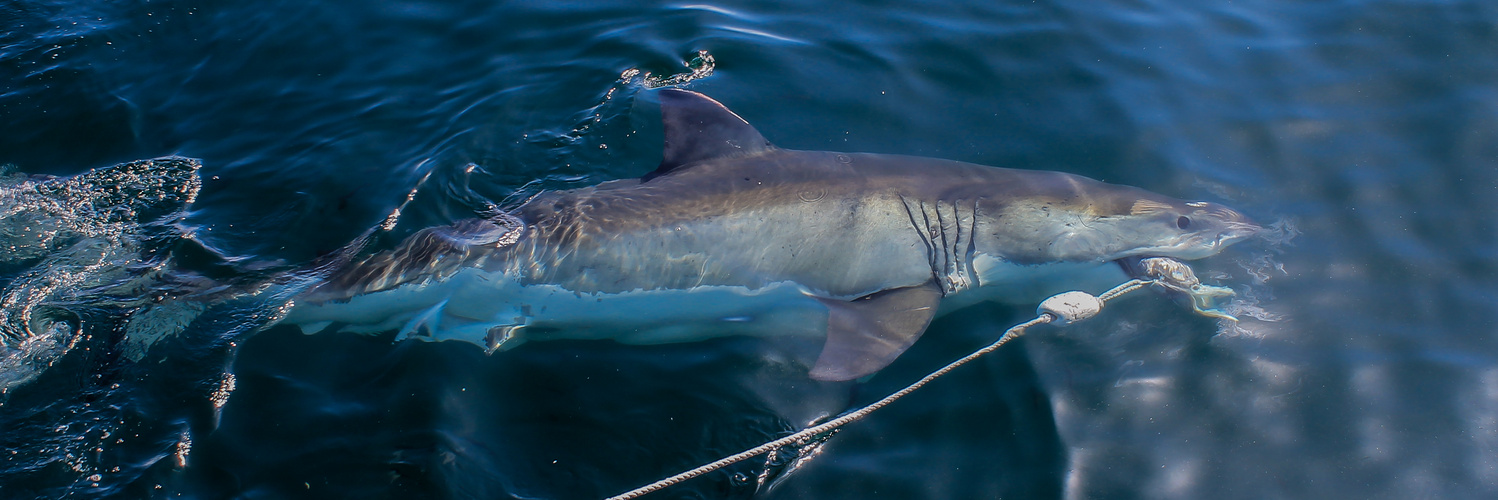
{"x":1062,"y":309}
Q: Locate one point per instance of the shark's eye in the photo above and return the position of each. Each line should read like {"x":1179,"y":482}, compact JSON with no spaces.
{"x":1183,"y":222}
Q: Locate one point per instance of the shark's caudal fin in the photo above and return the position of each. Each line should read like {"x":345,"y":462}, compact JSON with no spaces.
{"x":866,"y":334}
{"x":698,"y":128}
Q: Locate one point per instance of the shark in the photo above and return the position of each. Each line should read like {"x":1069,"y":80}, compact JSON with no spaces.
{"x":732,"y":235}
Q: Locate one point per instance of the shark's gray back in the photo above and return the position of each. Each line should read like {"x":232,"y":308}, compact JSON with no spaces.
{"x":747,"y":221}
{"x":841,"y":224}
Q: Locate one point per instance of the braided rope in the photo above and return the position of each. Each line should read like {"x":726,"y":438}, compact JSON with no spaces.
{"x":1012,"y":333}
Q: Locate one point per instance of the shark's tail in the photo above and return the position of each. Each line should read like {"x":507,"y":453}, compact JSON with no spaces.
{"x":104,"y":255}
{"x":81,"y":252}
{"x":101,"y":262}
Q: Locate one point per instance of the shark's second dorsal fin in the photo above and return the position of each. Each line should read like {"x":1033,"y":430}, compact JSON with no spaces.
{"x":699,"y":128}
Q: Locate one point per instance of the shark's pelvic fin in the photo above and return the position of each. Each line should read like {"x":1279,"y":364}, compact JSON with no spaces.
{"x":427,"y":322}
{"x":314,"y":327}
{"x":866,"y":334}
{"x":698,"y":128}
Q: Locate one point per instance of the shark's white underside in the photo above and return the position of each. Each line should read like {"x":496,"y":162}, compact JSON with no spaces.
{"x":496,"y":310}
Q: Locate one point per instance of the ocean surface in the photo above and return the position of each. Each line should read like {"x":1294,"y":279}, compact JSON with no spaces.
{"x":1362,"y":133}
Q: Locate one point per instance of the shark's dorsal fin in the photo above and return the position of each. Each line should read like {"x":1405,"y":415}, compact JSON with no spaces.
{"x":866,"y":334}
{"x":699,"y":128}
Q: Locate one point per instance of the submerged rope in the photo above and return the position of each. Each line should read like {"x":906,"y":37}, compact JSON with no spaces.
{"x":1057,"y":308}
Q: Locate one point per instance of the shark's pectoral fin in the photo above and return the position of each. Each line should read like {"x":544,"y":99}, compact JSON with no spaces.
{"x":866,"y":334}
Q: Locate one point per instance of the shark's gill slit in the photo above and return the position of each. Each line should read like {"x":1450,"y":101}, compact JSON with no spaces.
{"x":920,"y":231}
{"x":946,"y":248}
{"x":972,"y":249}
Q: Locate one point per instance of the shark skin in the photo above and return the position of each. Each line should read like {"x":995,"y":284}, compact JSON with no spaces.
{"x":734,"y":236}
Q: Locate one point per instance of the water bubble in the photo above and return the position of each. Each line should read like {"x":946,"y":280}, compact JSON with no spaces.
{"x":700,"y":67}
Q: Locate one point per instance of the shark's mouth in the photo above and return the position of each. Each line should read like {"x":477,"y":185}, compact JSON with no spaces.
{"x":1133,"y":266}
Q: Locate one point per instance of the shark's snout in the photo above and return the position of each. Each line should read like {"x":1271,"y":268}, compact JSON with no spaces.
{"x":1231,"y":225}
{"x":1238,"y":230}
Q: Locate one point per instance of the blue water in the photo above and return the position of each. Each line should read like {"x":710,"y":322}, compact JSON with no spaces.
{"x":1365,"y":133}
